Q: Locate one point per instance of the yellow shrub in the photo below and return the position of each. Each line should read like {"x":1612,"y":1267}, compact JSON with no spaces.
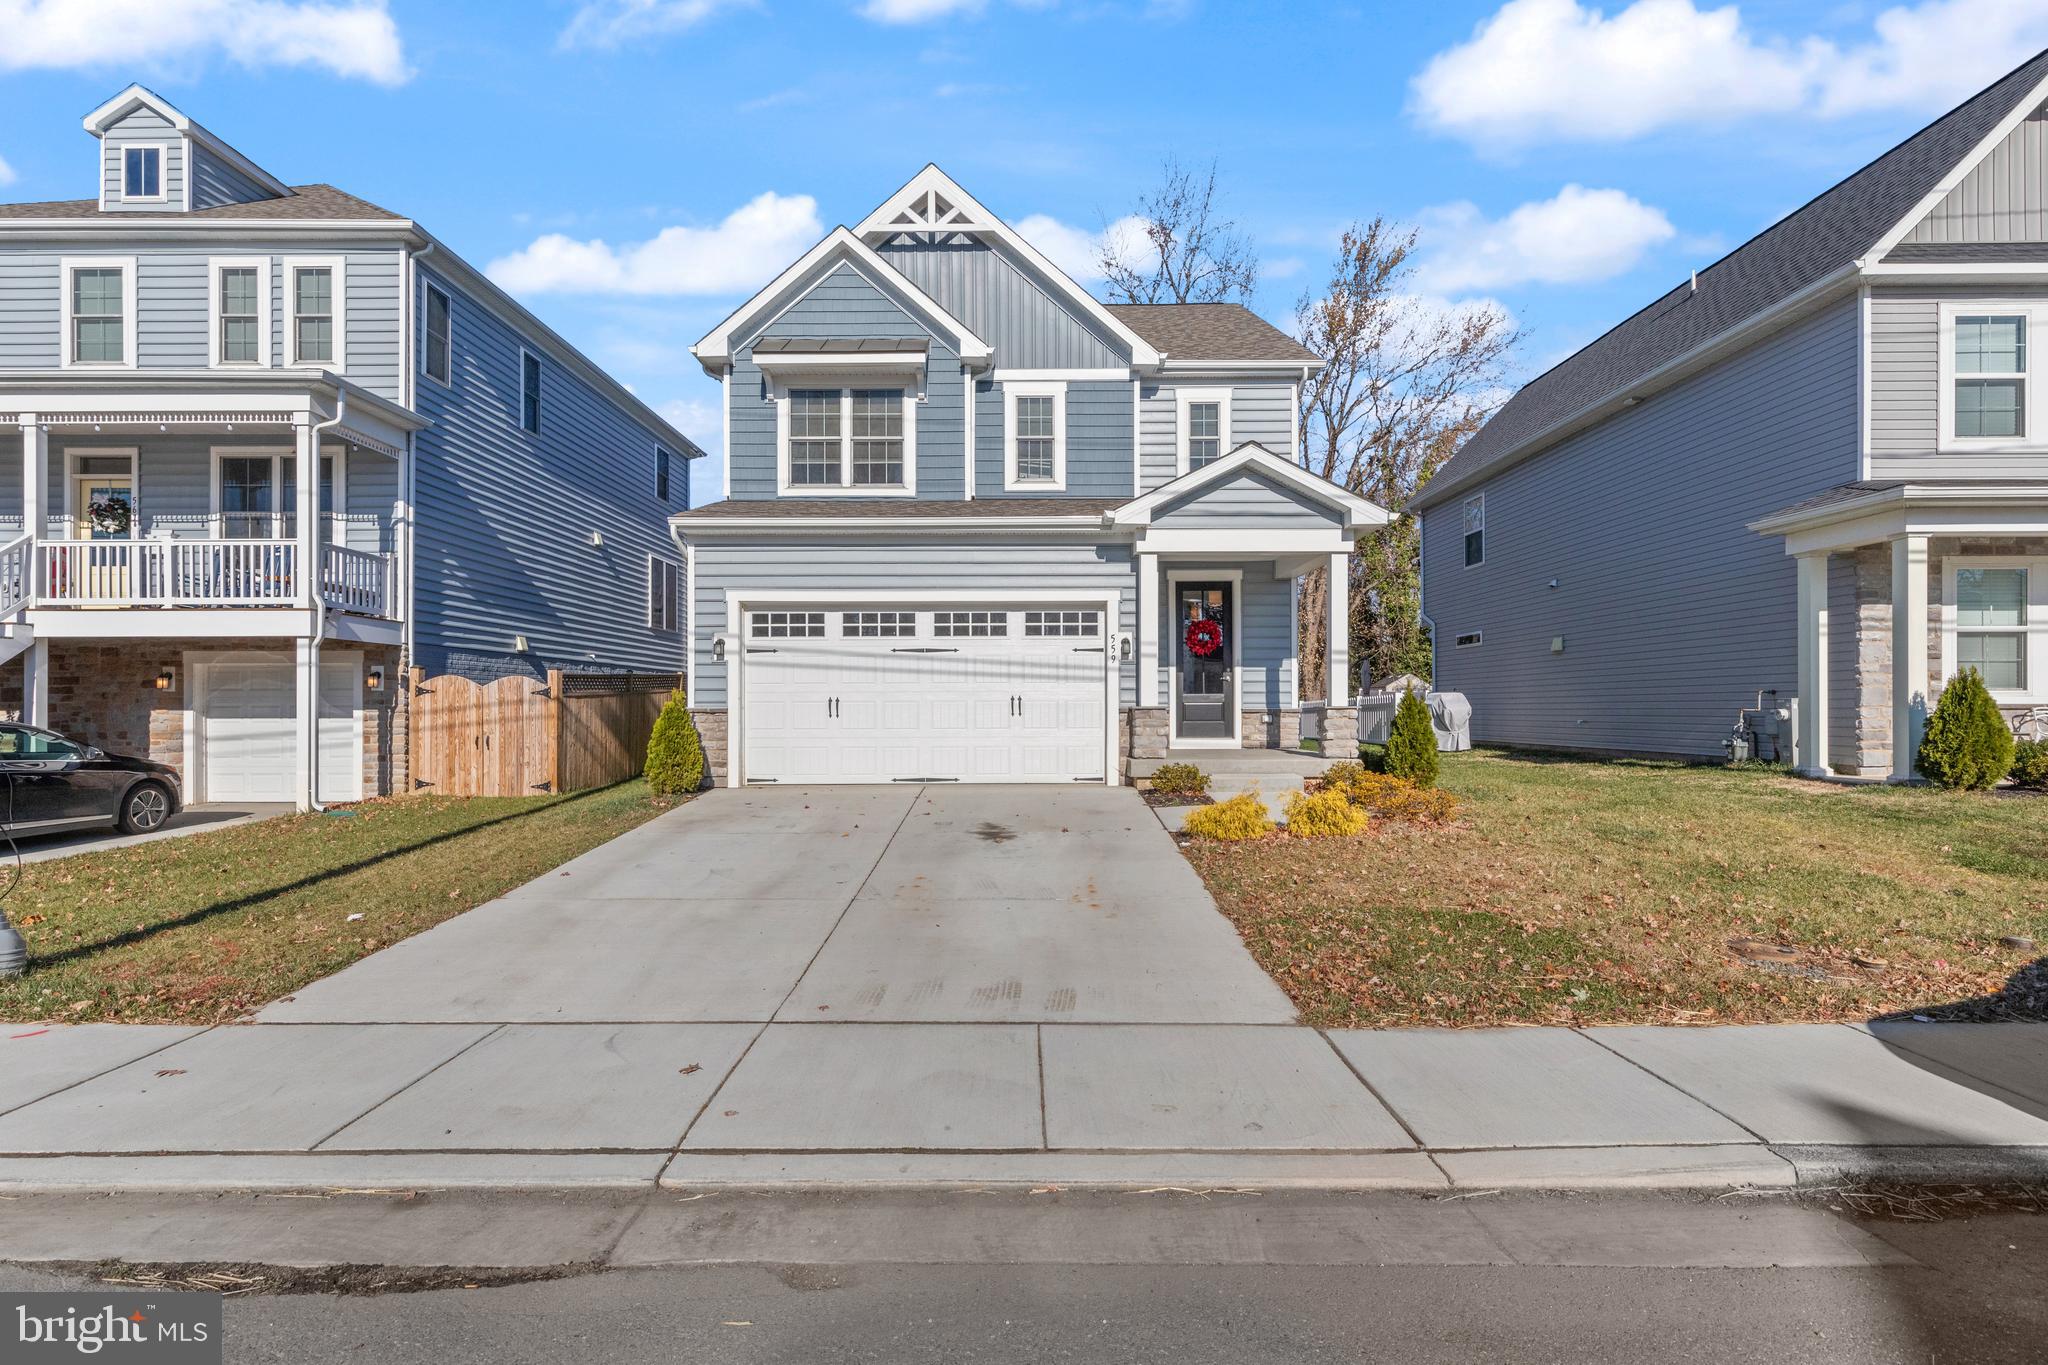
{"x":1391,"y":798}
{"x":1241,"y":817}
{"x":1325,"y":815}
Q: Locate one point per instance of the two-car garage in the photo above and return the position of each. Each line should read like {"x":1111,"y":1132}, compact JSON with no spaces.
{"x":926,"y":692}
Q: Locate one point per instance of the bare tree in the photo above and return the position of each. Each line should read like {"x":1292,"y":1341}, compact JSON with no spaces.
{"x":1403,"y":384}
{"x":1188,"y":255}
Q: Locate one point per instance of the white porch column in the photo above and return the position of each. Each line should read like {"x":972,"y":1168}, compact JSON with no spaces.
{"x":307,"y":654}
{"x":1909,"y":653}
{"x":35,"y":474}
{"x":1337,"y":659}
{"x":1813,"y":666}
{"x":1148,"y":630}
{"x":35,"y":684}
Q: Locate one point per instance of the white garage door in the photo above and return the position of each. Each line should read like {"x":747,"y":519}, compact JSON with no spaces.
{"x":245,"y":725}
{"x":966,"y":694}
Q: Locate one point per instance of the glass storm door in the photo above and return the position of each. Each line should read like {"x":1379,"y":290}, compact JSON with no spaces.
{"x":1202,"y":679}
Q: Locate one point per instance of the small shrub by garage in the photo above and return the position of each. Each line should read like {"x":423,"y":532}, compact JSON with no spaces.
{"x":1325,"y":814}
{"x":2030,"y":764}
{"x":675,"y":752}
{"x":1411,"y":742}
{"x":1180,"y":779}
{"x":1967,"y":745}
{"x":1241,"y":817}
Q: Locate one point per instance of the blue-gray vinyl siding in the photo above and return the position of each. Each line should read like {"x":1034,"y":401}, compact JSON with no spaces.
{"x":1098,"y":440}
{"x":789,"y":570}
{"x":1905,"y":388}
{"x":1020,"y":315}
{"x":1265,"y":633}
{"x":843,"y":304}
{"x":1672,"y":612}
{"x":143,"y":127}
{"x":1246,"y":502}
{"x":1261,"y":410}
{"x":2004,"y":198}
{"x":214,"y":182}
{"x":505,"y":518}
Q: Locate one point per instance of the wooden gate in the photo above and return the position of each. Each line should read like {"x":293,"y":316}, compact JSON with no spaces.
{"x":519,"y":736}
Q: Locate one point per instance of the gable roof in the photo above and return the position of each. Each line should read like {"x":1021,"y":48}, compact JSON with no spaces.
{"x":934,"y":202}
{"x":308,"y":203}
{"x":838,"y":247}
{"x":1211,"y":332}
{"x":1252,"y":458}
{"x":1797,"y":257}
{"x":142,"y":97}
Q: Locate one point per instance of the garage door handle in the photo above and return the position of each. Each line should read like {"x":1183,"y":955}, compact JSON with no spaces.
{"x":929,"y":649}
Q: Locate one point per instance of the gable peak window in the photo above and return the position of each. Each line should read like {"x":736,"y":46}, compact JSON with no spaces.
{"x":142,"y":173}
{"x":1991,"y":376}
{"x":1475,"y":530}
{"x":438,"y":355}
{"x":529,"y":391}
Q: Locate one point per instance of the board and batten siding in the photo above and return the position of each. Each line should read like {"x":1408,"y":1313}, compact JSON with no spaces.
{"x":1905,"y":387}
{"x":944,"y":568}
{"x":2004,"y":198}
{"x":1265,"y":631}
{"x":1261,"y":410}
{"x":143,"y":126}
{"x":1673,"y":613}
{"x":1026,"y":325}
{"x":843,"y":304}
{"x":505,"y":519}
{"x":1098,"y":441}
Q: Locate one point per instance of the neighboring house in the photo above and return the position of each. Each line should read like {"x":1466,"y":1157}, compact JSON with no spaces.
{"x":972,"y":512}
{"x":1819,"y":469}
{"x":175,"y":352}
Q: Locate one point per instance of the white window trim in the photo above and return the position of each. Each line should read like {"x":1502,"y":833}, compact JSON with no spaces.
{"x":339,"y":265}
{"x":846,"y":488}
{"x":425,"y":331}
{"x":69,"y":342}
{"x":2035,"y":630}
{"x":214,"y":266}
{"x":1484,"y":539}
{"x":72,"y":511}
{"x":669,"y":568}
{"x":1041,"y":388}
{"x":163,"y":172}
{"x":540,"y":411}
{"x":1182,"y":398}
{"x":2035,"y":311}
{"x":337,"y":529}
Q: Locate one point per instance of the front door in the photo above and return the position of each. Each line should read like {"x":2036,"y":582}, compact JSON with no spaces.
{"x":1204,"y":643}
{"x":106,"y":506}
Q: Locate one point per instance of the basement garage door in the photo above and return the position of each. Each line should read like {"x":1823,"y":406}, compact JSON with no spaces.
{"x":246,"y":731}
{"x":948,"y":694}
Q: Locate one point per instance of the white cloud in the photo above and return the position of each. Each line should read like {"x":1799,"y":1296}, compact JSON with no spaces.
{"x":1577,"y":236}
{"x":1079,"y":251}
{"x":1542,"y":69}
{"x":697,"y":418}
{"x":917,"y":11}
{"x":356,"y":38}
{"x":6,"y":172}
{"x":750,"y":247}
{"x":611,"y":23}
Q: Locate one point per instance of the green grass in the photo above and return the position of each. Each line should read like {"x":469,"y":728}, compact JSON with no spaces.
{"x":210,"y":926}
{"x":1592,"y":892}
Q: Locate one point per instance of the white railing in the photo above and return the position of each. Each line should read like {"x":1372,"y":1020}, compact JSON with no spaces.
{"x":356,"y":580}
{"x":17,"y":561}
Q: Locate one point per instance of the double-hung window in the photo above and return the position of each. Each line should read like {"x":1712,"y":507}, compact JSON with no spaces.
{"x":1996,"y":621}
{"x":529,"y":391}
{"x":316,"y":310}
{"x":1991,"y":376}
{"x":664,"y":595}
{"x":1204,"y":427}
{"x":240,"y":305}
{"x":846,"y":440}
{"x":1475,"y":530}
{"x":438,"y":355}
{"x":660,"y":474}
{"x":99,"y":311}
{"x":1035,"y":436}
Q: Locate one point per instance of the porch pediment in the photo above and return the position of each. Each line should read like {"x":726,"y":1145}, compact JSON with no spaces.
{"x":1252,"y":489}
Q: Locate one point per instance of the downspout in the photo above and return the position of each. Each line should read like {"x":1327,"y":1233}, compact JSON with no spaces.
{"x":315,"y":577}
{"x":407,"y":638}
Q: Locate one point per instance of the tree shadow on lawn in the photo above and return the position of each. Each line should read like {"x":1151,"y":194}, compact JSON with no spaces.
{"x":81,"y":952}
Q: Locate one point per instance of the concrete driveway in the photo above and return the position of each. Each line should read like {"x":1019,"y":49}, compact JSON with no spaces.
{"x":891,"y":904}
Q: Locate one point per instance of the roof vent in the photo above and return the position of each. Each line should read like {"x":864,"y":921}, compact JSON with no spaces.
{"x":1695,"y":281}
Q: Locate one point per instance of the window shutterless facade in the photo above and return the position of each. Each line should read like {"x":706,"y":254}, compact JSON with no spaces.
{"x":142,"y":173}
{"x":1991,"y":392}
{"x":660,"y":474}
{"x":664,"y":595}
{"x":438,"y":354}
{"x":846,"y":440}
{"x":529,"y":391}
{"x":316,"y":311}
{"x":98,"y":301}
{"x":1204,"y":420}
{"x":878,"y":438}
{"x":1034,"y":435}
{"x":1475,"y":530}
{"x":1995,"y":620}
{"x":239,"y":315}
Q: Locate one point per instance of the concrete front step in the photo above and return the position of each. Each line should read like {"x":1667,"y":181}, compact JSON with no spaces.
{"x":1246,"y":764}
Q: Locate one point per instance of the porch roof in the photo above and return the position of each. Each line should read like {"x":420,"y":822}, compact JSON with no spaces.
{"x":1866,"y":511}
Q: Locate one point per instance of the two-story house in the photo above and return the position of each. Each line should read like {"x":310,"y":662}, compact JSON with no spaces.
{"x":1817,"y":473}
{"x":273,"y":446}
{"x":980,"y":526}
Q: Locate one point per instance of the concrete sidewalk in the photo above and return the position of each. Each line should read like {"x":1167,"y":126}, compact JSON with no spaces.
{"x":567,"y":1105}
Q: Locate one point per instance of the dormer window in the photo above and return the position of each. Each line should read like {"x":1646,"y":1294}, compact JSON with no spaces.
{"x":142,"y":173}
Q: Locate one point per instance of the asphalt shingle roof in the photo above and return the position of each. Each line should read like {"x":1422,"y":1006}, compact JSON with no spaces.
{"x":317,"y":202}
{"x":1209,"y":331}
{"x":1805,"y":246}
{"x":799,"y":508}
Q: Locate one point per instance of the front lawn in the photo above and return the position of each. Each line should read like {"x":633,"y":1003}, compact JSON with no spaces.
{"x":207,"y":927}
{"x":1579,"y":892}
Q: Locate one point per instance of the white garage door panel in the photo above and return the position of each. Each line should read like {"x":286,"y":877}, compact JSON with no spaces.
{"x":848,"y":708}
{"x":246,"y":726}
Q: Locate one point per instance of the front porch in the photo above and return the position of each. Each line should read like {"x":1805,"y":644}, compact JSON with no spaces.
{"x":1900,"y":587}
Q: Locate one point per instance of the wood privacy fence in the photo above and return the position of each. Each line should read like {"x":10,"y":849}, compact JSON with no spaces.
{"x":519,"y":736}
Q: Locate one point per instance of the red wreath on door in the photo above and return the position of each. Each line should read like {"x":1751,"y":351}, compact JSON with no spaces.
{"x":1204,"y":638}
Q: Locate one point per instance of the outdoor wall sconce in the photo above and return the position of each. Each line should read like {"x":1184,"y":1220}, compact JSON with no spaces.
{"x":166,"y":680}
{"x":375,"y":679}
{"x":597,"y":540}
{"x":1123,"y":648}
{"x":519,"y":645}
{"x":718,"y":650}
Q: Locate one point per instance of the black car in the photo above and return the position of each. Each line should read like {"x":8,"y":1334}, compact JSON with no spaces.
{"x":49,"y":783}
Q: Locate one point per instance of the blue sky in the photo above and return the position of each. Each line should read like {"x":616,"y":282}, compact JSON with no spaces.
{"x":634,"y":168}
